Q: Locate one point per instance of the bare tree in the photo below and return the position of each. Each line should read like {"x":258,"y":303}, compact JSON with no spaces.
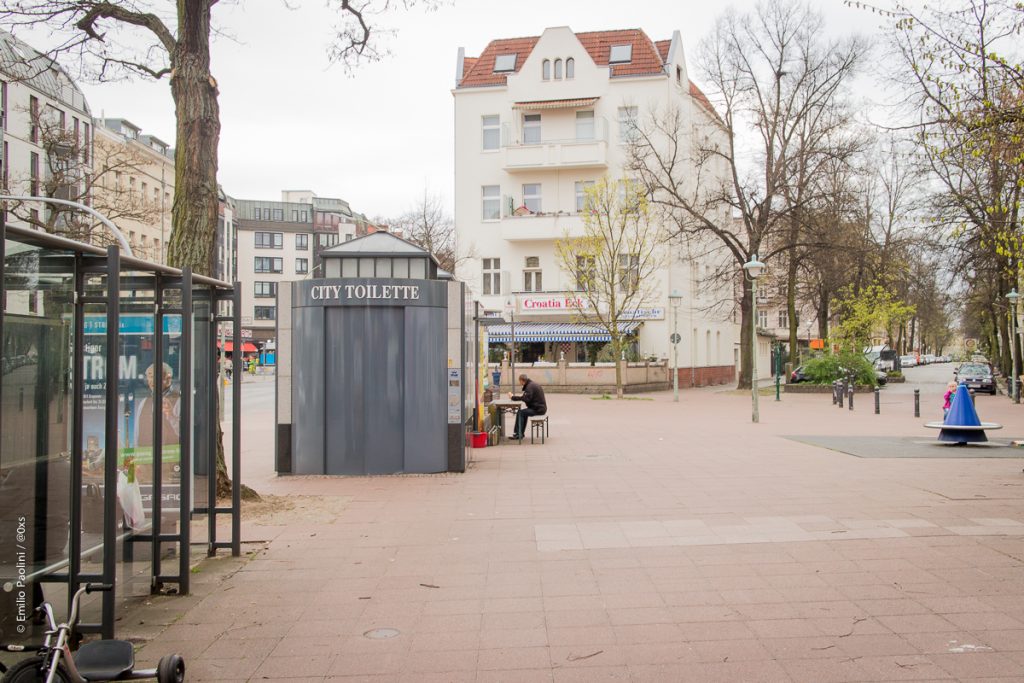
{"x":615,"y":259}
{"x":88,"y":174}
{"x":725,"y":180}
{"x":429,"y":225}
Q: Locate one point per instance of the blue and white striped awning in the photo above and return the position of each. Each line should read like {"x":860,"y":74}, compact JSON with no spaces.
{"x":555,"y":332}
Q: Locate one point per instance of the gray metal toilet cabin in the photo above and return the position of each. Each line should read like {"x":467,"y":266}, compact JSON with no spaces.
{"x":371,"y":364}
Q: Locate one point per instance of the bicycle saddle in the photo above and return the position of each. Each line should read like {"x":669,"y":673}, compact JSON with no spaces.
{"x":105,"y":660}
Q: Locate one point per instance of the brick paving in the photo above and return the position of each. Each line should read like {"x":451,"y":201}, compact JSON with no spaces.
{"x":645,"y":541}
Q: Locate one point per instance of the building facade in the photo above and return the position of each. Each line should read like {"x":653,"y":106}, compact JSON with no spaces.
{"x":281,"y":241}
{"x":46,"y":133}
{"x":134,"y":185}
{"x":539,"y":120}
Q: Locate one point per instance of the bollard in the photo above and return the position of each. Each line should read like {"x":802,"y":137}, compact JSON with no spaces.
{"x":917,"y":403}
{"x":851,"y":396}
{"x":842,"y":394}
{"x":833,"y":392}
{"x":878,"y":402}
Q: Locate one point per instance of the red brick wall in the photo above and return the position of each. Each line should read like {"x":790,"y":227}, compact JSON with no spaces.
{"x":707,"y":376}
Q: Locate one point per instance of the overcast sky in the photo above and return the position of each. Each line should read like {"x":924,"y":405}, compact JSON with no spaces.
{"x":377,"y":137}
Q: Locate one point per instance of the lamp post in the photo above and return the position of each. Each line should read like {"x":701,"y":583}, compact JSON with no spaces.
{"x":1014,"y":384}
{"x":674,"y":300}
{"x":754,"y":269}
{"x":510,"y":308}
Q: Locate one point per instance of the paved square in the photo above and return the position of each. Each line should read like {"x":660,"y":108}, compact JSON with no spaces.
{"x":645,"y":541}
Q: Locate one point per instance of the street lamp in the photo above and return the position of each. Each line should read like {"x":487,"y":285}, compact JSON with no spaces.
{"x":510,"y":308}
{"x":674,"y":300}
{"x":1014,"y":387}
{"x":754,"y":269}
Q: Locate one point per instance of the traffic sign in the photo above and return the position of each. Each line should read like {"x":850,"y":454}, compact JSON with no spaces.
{"x":675,"y":338}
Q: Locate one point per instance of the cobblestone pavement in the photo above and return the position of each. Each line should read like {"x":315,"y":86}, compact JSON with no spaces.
{"x":645,"y":541}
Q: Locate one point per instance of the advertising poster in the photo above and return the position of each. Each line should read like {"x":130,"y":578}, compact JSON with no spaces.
{"x":136,"y":377}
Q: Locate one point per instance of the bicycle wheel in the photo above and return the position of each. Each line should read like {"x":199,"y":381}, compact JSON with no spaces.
{"x":31,"y":671}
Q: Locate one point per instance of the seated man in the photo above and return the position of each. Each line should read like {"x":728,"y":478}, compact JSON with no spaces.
{"x":533,"y":397}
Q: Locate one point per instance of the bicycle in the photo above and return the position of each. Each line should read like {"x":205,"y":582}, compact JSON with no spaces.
{"x":98,"y":660}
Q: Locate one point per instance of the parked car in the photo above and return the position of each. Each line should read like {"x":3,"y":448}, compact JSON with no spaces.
{"x":798,"y":376}
{"x":882,"y":376}
{"x":928,"y":359}
{"x":977,"y":376}
{"x":908,"y":361}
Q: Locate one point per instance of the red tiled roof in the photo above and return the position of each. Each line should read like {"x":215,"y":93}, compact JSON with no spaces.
{"x":480,"y":70}
{"x":663,"y":46}
{"x":646,"y":58}
{"x":703,"y":100}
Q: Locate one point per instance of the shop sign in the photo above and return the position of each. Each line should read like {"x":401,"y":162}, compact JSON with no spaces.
{"x":644,"y":314}
{"x":552,"y":303}
{"x":364,"y":292}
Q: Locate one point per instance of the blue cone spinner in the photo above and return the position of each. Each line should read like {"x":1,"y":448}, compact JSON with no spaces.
{"x":962,"y":414}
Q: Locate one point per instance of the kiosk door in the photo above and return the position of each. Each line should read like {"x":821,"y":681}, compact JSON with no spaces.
{"x":365,"y":415}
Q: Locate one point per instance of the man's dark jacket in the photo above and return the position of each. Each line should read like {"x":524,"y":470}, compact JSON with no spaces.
{"x":533,"y":397}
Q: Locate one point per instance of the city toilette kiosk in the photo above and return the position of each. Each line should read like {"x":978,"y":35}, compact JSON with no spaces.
{"x":372,"y":362}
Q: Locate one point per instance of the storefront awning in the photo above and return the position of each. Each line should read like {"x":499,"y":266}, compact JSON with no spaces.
{"x":555,"y":332}
{"x":534,"y":105}
{"x":247,"y":347}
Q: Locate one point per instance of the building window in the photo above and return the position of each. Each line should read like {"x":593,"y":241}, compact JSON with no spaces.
{"x":328,"y":239}
{"x":783,"y":318}
{"x":491,"y":131}
{"x":586,"y":271}
{"x":558,"y":69}
{"x":491,"y":202}
{"x":268,"y":264}
{"x":505,"y":63}
{"x":629,"y":272}
{"x":264,"y":312}
{"x":620,"y":54}
{"x":3,"y":105}
{"x":679,"y":75}
{"x":492,"y":276}
{"x":531,"y":197}
{"x":269,"y":240}
{"x":545,"y":69}
{"x":303,"y":217}
{"x":34,"y":174}
{"x":278,"y":214}
{"x":532,"y":275}
{"x":531,"y":129}
{"x":302,"y":242}
{"x":264,"y":290}
{"x":570,"y":68}
{"x":584,"y":125}
{"x":33,"y":114}
{"x":581,"y":194}
{"x":301,"y":266}
{"x":627,"y":123}
{"x":762,"y":319}
{"x":86,"y":142}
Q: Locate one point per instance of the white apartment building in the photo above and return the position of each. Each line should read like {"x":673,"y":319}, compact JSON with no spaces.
{"x":536,"y":121}
{"x":134,"y":185}
{"x":36,"y":97}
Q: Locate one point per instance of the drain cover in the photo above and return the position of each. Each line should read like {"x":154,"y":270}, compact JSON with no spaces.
{"x":382,"y":633}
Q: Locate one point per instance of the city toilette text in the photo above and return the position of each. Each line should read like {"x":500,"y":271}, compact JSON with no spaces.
{"x":399,"y":292}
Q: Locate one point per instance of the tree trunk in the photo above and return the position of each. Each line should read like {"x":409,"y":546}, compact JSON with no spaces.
{"x":823,"y":318}
{"x":746,"y":330}
{"x":1003,"y":330}
{"x":194,"y":214}
{"x":794,"y":357}
{"x":617,"y":352}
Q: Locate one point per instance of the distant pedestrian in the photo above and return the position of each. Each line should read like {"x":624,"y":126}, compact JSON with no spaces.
{"x":947,"y":398}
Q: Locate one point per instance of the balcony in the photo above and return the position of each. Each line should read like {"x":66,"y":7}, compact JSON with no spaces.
{"x":589,"y":149}
{"x":541,"y":226}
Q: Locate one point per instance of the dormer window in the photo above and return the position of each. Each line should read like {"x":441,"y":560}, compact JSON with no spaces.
{"x":546,"y":70}
{"x":505,"y":63}
{"x":620,"y":54}
{"x":570,"y":68}
{"x":558,"y":69}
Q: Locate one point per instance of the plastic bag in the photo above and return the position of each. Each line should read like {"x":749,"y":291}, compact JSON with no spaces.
{"x":130,"y":496}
